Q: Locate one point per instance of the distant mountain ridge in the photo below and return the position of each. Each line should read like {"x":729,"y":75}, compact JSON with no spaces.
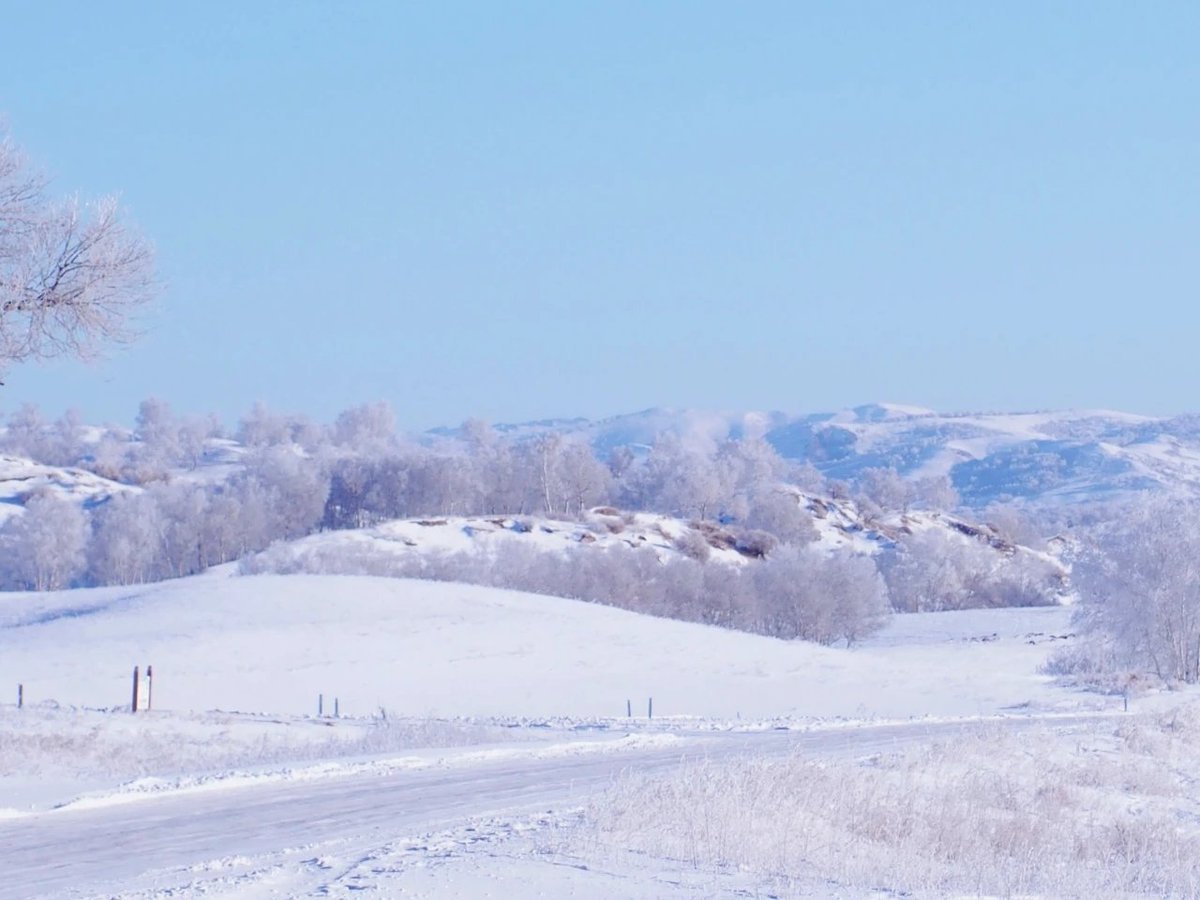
{"x":1042,"y":458}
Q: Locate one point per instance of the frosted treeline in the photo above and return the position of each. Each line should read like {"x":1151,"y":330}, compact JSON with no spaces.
{"x":793,"y":593}
{"x":199,"y":497}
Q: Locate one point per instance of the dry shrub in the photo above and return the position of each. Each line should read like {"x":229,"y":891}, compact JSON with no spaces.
{"x":756,"y":544}
{"x":718,"y":538}
{"x":693,"y":545}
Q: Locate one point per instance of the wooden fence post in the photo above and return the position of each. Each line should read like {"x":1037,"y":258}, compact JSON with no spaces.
{"x":320,"y":705}
{"x":20,"y":696}
{"x":133,"y":704}
{"x":650,"y":709}
{"x":149,"y":688}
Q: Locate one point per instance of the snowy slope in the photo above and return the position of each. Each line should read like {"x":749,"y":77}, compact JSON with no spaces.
{"x":272,"y":643}
{"x":22,"y":478}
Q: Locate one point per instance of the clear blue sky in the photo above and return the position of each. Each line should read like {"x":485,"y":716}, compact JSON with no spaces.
{"x":522,"y":210}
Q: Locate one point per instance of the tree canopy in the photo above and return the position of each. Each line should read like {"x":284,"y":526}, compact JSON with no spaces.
{"x":73,"y":275}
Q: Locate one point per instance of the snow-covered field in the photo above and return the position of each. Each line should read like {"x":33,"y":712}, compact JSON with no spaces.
{"x":414,"y":648}
{"x":1094,"y":810}
{"x":443,"y":681}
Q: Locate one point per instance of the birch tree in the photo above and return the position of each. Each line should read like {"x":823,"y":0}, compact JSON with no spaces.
{"x":1141,"y":588}
{"x":45,"y":547}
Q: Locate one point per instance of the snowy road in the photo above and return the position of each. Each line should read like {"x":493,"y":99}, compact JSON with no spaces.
{"x":104,"y":851}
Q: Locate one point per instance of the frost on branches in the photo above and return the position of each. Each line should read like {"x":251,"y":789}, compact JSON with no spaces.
{"x":72,"y":275}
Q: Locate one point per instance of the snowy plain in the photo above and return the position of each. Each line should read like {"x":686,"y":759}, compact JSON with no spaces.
{"x":515,"y":702}
{"x":273,"y":643}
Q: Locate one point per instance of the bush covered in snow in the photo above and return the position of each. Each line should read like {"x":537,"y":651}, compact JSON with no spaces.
{"x":796,"y":593}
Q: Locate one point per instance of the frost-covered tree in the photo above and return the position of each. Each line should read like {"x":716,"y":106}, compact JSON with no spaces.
{"x":508,"y":478}
{"x":72,"y":276}
{"x":727,"y":599}
{"x":158,"y":449}
{"x":938,"y":569}
{"x":935,"y":492}
{"x":439,"y":481}
{"x":127,"y":537}
{"x":109,"y":456}
{"x":749,"y":464}
{"x":193,"y":436}
{"x":542,"y":454}
{"x":487,"y":464}
{"x":1140,"y":589}
{"x":743,"y":469}
{"x":805,"y":476}
{"x":679,"y":479}
{"x":779,"y":510}
{"x":369,"y":429}
{"x":860,"y":597}
{"x":933,"y":570}
{"x":26,"y":433}
{"x":620,"y":460}
{"x":582,"y":479}
{"x":295,"y":488}
{"x":261,"y":427}
{"x":232,"y":527}
{"x":59,"y":444}
{"x":885,"y":490}
{"x":67,"y":439}
{"x":44,"y":549}
{"x":1014,"y":525}
{"x":807,"y":595}
{"x":346,"y":507}
{"x":386,"y":494}
{"x":183,"y":547}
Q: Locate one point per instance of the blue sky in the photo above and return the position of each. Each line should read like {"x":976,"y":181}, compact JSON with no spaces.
{"x":524,"y":210}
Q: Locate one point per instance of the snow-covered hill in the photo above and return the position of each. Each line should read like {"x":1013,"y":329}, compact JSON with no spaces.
{"x":836,"y":523}
{"x":21,"y":478}
{"x":601,"y":529}
{"x":273,"y":643}
{"x":840,"y":525}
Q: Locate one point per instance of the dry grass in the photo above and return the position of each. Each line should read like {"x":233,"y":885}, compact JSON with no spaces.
{"x":1104,"y":815}
{"x":48,"y":741}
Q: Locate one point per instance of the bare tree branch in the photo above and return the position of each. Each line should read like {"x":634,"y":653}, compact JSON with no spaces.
{"x":73,"y":276}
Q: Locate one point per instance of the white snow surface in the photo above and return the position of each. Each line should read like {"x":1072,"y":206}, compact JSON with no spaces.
{"x":273,"y":643}
{"x":20,"y":478}
{"x":472,"y":656}
{"x":456,"y":534}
